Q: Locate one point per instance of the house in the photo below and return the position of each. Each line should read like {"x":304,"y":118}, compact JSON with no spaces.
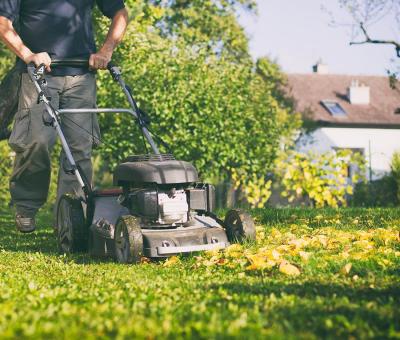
{"x":349,"y":111}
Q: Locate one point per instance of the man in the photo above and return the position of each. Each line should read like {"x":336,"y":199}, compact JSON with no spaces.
{"x":54,"y":29}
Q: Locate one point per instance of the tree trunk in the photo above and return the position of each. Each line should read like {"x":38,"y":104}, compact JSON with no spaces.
{"x":9,"y":90}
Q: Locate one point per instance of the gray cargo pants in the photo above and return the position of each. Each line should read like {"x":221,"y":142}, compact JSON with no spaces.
{"x":33,"y":141}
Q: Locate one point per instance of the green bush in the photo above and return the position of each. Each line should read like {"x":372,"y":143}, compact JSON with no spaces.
{"x":395,"y":167}
{"x":215,"y":107}
{"x":379,"y":193}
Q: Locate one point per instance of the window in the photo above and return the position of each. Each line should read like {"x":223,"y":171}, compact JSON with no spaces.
{"x":334,"y":108}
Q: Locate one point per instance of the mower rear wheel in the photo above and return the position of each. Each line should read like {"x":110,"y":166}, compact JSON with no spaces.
{"x":72,"y":232}
{"x":128,"y":240}
{"x":239,"y":226}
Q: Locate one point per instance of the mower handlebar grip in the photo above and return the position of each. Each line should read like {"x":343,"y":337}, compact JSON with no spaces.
{"x":76,"y":62}
{"x":81,"y":62}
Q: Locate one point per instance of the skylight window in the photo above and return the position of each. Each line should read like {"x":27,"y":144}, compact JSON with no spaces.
{"x":334,"y":108}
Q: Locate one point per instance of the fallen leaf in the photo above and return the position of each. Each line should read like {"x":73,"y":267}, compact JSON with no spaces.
{"x":173,"y":260}
{"x":259,"y":262}
{"x":234,"y":250}
{"x":346,"y":269}
{"x":289,"y":269}
{"x":304,"y":255}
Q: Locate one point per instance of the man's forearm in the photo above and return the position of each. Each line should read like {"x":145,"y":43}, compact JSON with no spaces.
{"x":13,"y":41}
{"x":101,"y":59}
{"x":116,"y":31}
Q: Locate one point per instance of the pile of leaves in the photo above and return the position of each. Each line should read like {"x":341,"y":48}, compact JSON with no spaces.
{"x":299,"y":246}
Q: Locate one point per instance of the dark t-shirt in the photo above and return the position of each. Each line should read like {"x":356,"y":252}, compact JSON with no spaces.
{"x":62,"y":28}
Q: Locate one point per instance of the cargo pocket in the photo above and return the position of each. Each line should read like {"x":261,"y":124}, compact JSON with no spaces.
{"x":19,"y":136}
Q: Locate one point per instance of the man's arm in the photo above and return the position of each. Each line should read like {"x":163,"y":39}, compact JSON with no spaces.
{"x":13,"y":41}
{"x":115,"y":34}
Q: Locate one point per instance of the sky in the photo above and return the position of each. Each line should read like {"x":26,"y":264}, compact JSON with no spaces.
{"x":297,"y":33}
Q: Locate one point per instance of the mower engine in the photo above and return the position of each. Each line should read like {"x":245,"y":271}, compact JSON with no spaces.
{"x":165,"y":207}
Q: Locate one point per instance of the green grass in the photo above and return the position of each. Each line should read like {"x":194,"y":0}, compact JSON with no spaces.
{"x":214,"y":295}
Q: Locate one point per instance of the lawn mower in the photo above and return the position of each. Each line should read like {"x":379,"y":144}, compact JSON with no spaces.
{"x":158,"y":207}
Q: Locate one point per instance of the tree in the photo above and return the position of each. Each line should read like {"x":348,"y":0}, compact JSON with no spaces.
{"x":368,"y":12}
{"x":205,"y":95}
{"x":364,"y":14}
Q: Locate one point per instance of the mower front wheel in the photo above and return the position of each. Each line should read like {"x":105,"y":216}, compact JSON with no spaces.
{"x":239,"y":226}
{"x":72,"y":232}
{"x":128,"y":240}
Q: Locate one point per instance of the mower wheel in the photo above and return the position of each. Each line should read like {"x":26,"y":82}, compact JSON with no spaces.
{"x":128,"y":240}
{"x":72,"y":232}
{"x":239,"y":226}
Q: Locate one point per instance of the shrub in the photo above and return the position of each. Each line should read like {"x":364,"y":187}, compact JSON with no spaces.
{"x":321,"y":178}
{"x":379,"y":193}
{"x":395,"y":167}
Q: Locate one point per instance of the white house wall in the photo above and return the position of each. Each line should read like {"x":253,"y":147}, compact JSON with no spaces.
{"x":382,"y":142}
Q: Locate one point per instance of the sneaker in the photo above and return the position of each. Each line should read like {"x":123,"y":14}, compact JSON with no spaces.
{"x":25,"y":224}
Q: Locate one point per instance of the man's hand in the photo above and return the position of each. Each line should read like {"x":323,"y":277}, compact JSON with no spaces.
{"x":38,"y":59}
{"x":100,"y":60}
{"x":117,"y":29}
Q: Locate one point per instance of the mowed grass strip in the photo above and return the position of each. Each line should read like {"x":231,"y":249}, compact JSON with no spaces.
{"x":311,"y":274}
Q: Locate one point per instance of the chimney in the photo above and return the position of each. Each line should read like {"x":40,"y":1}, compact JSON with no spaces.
{"x":358,"y":93}
{"x":320,"y":68}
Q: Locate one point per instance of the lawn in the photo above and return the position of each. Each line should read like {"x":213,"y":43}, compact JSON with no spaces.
{"x":312,"y":274}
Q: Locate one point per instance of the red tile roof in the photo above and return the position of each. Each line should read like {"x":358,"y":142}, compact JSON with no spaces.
{"x":309,"y":90}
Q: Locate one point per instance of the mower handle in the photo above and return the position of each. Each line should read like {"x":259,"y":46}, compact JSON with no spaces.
{"x":75,"y":62}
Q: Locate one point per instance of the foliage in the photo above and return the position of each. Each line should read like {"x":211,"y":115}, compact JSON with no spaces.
{"x":6,"y":60}
{"x":395,"y":168}
{"x":213,"y":109}
{"x":212,"y":24}
{"x":321,"y":177}
{"x":335,"y":275}
{"x":379,"y":193}
{"x":257,"y":189}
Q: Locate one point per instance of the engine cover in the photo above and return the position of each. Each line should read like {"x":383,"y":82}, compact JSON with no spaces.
{"x":155,"y":170}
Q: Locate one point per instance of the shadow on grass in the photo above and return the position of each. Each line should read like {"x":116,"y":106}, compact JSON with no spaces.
{"x":42,"y":240}
{"x":308,"y":303}
{"x":311,"y":289}
{"x":368,"y":217}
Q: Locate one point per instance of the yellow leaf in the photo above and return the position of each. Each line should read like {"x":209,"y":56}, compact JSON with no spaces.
{"x":289,"y":269}
{"x":259,"y":262}
{"x":173,"y":260}
{"x":346,"y":269}
{"x":234,"y":250}
{"x":298,"y":243}
{"x":304,"y":255}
